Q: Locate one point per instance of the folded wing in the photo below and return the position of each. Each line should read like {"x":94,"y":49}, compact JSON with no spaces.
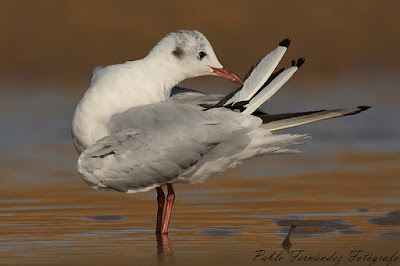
{"x":151,"y":145}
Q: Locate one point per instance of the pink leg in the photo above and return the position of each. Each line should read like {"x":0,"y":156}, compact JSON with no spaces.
{"x":170,"y":202}
{"x":161,"y":201}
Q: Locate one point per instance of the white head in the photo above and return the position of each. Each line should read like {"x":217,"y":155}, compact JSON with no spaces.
{"x":190,"y":53}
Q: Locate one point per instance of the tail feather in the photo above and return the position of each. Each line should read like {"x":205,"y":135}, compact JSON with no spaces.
{"x":270,"y":89}
{"x":224,"y":101}
{"x":275,"y":122}
{"x":260,"y":74}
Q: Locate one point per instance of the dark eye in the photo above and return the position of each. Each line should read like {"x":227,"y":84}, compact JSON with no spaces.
{"x":201,"y":55}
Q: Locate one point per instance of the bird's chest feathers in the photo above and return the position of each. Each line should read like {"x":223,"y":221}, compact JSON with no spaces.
{"x":98,"y":106}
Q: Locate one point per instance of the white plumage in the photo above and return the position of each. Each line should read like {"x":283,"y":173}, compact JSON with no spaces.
{"x":116,"y":88}
{"x":133,"y":134}
{"x":270,"y":90}
{"x":260,"y":74}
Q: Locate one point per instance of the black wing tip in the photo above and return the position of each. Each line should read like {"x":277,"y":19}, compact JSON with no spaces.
{"x":363,"y":107}
{"x":298,"y":63}
{"x":358,"y":110}
{"x":285,"y":43}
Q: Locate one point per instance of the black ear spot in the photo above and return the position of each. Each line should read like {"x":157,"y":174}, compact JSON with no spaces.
{"x":178,"y":52}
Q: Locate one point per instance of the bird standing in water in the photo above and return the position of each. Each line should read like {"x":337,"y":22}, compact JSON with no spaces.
{"x":135,"y":130}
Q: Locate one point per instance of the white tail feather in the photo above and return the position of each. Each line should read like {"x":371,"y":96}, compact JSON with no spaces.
{"x":259,"y":75}
{"x":270,"y":90}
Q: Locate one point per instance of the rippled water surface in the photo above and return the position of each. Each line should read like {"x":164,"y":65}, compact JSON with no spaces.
{"x":342,"y":193}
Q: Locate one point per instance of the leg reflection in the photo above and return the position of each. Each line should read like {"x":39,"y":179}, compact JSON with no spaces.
{"x":286,"y":243}
{"x":165,"y":252}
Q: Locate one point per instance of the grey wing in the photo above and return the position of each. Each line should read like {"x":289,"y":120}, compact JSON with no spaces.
{"x":134,"y":161}
{"x":189,"y":96}
{"x":151,"y":145}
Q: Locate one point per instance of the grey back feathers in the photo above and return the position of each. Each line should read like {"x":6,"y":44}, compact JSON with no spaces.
{"x":155,"y":144}
{"x":151,"y":145}
{"x":181,"y":142}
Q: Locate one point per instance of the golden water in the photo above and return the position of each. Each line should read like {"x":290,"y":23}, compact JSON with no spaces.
{"x":224,"y":221}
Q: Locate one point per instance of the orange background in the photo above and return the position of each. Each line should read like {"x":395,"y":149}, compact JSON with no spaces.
{"x":47,"y":43}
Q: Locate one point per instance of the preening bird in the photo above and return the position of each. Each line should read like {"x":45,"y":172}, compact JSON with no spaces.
{"x":135,"y":130}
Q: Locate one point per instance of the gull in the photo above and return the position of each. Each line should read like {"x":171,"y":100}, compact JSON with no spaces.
{"x":135,"y":130}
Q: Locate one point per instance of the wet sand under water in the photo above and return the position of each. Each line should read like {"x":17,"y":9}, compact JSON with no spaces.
{"x":225,"y":221}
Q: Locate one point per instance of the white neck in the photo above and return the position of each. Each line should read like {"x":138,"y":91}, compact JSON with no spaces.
{"x":117,"y":88}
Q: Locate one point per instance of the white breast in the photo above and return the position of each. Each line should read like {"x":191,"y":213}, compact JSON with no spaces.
{"x":115,"y":89}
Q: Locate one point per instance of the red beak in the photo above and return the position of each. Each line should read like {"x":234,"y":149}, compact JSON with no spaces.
{"x":229,"y":75}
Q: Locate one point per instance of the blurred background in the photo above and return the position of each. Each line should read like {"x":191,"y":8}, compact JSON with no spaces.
{"x":48,"y":50}
{"x":55,"y":44}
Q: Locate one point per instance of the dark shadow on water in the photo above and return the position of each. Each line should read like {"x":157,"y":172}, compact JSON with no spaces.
{"x":312,"y":228}
{"x":390,"y":235}
{"x":230,"y":228}
{"x":218,"y":233}
{"x":391,"y":218}
{"x":106,"y":218}
{"x":395,"y":214}
{"x":353,"y":232}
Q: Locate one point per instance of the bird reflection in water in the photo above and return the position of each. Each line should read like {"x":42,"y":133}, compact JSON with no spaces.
{"x":164,"y":250}
{"x":166,"y":254}
{"x":286,"y":245}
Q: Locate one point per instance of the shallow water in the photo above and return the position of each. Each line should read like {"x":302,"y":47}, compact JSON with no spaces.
{"x":45,"y":222}
{"x":341,"y":193}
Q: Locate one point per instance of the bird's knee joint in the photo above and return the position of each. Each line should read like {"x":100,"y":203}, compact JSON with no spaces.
{"x":171,"y":197}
